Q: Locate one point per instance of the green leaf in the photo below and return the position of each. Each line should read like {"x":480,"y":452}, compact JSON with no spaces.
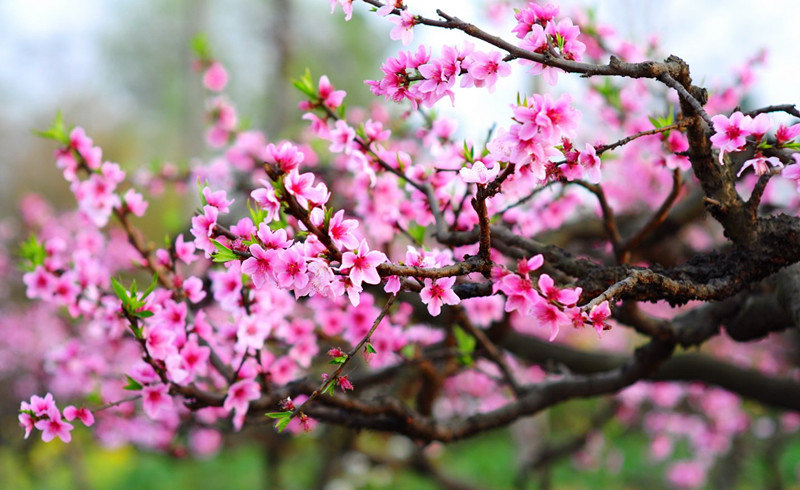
{"x":369,"y":348}
{"x":408,"y":351}
{"x":466,"y":345}
{"x":279,"y":415}
{"x":257,"y":214}
{"x":143,"y":314}
{"x":151,"y":287}
{"x":132,"y":385}
{"x":328,"y":216}
{"x":223,"y":253}
{"x":305,"y":85}
{"x":338,"y":360}
{"x":280,"y":223}
{"x":32,"y":253}
{"x":417,"y":232}
{"x":120,"y":291}
{"x":201,"y":47}
{"x":200,"y":186}
{"x":57,"y":130}
{"x":328,"y":389}
{"x":282,"y":423}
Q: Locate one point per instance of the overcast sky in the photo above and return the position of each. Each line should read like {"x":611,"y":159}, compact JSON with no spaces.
{"x":51,"y":46}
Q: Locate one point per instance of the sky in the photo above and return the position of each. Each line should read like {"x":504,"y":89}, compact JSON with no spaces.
{"x":51,"y":47}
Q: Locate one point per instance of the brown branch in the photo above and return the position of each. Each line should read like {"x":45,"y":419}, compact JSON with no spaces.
{"x":491,"y":350}
{"x":350,"y":355}
{"x":609,"y":221}
{"x":624,"y":141}
{"x":660,"y":215}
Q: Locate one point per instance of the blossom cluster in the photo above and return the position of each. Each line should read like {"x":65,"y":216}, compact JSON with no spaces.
{"x":423,"y":80}
{"x":732,"y":133}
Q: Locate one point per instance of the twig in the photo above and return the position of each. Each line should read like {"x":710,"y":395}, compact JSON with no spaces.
{"x":350,"y":355}
{"x":649,"y":132}
{"x":657,"y":218}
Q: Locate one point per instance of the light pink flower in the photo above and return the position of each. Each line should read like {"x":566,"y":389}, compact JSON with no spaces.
{"x":215,"y":77}
{"x":156,"y":400}
{"x":439,"y":292}
{"x":341,"y":231}
{"x":479,"y":174}
{"x":83,"y":414}
{"x":403,"y":29}
{"x":731,"y":133}
{"x":260,"y":266}
{"x":240,"y":394}
{"x":363,"y":264}
{"x":52,"y":427}
{"x":759,"y":164}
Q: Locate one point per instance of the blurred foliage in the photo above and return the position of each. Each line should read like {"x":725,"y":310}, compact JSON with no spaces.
{"x":488,"y":461}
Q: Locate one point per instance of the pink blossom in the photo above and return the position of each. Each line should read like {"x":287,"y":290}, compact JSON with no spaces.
{"x":135,"y":203}
{"x":363,"y":264}
{"x":39,"y":283}
{"x":598,"y":315}
{"x":479,"y":174}
{"x":290,"y":270}
{"x":203,"y":228}
{"x":439,"y":292}
{"x":792,"y":172}
{"x":785,"y":134}
{"x":261,"y":265}
{"x":549,"y":315}
{"x":300,"y":186}
{"x":759,"y":164}
{"x":215,"y":77}
{"x":484,"y":68}
{"x":41,"y":406}
{"x":83,"y":414}
{"x":520,"y":293}
{"x":342,"y":138}
{"x":193,"y":289}
{"x":26,"y":421}
{"x":184,"y":250}
{"x":286,"y":156}
{"x":52,"y":426}
{"x":341,"y":231}
{"x":567,"y":297}
{"x":591,"y":163}
{"x":730,"y":133}
{"x":403,"y":29}
{"x":156,"y":401}
{"x":266,"y":200}
{"x":218,"y":199}
{"x":347,"y":7}
{"x":240,"y":394}
{"x":687,"y":474}
{"x":330,"y":98}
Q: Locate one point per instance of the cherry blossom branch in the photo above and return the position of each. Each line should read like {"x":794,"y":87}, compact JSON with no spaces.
{"x":689,"y":367}
{"x":116,"y":403}
{"x":395,"y":418}
{"x":661,"y":71}
{"x":790,"y":109}
{"x":350,"y":355}
{"x":491,"y":350}
{"x":624,"y":141}
{"x":609,"y":221}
